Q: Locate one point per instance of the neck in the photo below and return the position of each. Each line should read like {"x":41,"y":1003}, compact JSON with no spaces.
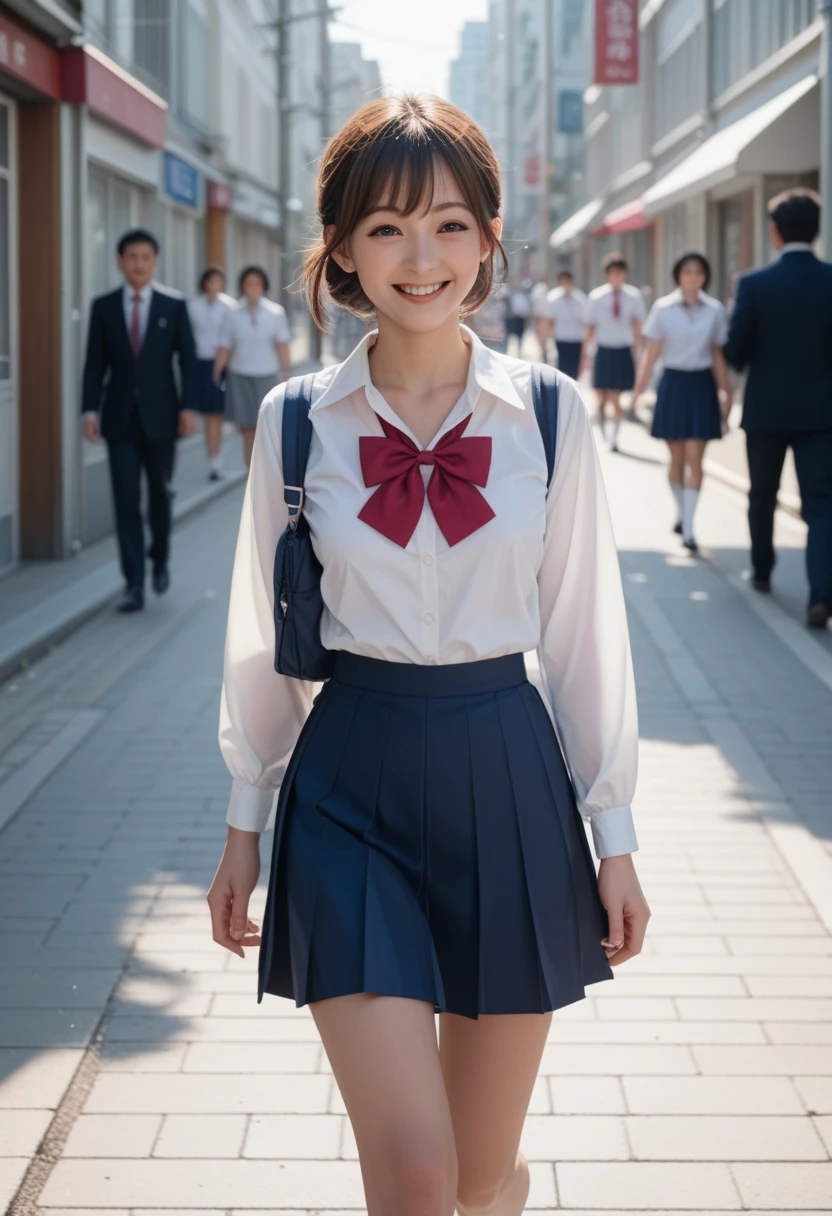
{"x":419,"y":363}
{"x":690,"y":297}
{"x":139,"y":287}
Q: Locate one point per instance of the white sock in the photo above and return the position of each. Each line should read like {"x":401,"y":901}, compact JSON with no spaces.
{"x":678,"y":489}
{"x":616,"y":428}
{"x":216,"y":463}
{"x":689,"y":501}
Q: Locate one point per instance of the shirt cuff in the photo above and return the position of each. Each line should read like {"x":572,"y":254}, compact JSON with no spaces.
{"x":613,"y":832}
{"x":249,"y":807}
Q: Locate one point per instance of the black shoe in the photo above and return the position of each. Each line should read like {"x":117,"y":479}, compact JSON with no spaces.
{"x":762,"y":585}
{"x":817,"y":615}
{"x":691,"y":545}
{"x":677,"y":528}
{"x":215,"y":475}
{"x":131,"y":601}
{"x":161,"y":579}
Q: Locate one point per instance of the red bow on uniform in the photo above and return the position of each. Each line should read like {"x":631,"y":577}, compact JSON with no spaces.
{"x":393,"y":464}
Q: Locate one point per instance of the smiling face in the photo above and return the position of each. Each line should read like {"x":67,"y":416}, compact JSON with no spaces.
{"x":418,"y":268}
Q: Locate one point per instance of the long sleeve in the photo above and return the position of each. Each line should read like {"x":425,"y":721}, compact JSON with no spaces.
{"x":584,"y":647}
{"x":261,"y":712}
{"x":95,"y":363}
{"x":187,"y":360}
{"x":740,"y":345}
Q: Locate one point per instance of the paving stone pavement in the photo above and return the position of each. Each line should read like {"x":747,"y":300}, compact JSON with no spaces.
{"x":698,"y":1080}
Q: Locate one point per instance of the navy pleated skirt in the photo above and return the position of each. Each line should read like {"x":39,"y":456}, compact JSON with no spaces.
{"x":569,"y":358}
{"x":687,"y":406}
{"x":210,"y":397}
{"x":428,"y":845}
{"x":614,"y":369}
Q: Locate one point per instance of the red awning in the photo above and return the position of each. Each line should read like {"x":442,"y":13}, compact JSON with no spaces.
{"x":628,"y":218}
{"x":90,"y":76}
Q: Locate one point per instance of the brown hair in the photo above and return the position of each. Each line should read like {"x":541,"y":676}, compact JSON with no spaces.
{"x":398,"y":143}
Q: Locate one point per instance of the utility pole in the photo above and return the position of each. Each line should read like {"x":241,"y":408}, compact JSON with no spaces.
{"x":284,"y":131}
{"x":548,"y":136}
{"x":325,"y":119}
{"x":825,"y":8}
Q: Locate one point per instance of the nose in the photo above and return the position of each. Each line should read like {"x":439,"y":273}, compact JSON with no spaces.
{"x":421,"y":254}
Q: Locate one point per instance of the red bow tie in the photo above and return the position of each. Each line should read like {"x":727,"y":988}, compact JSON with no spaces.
{"x":393,"y":464}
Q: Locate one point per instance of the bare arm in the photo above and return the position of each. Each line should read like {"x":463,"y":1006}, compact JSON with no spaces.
{"x":588,"y":340}
{"x":723,"y":383}
{"x":637,"y":338}
{"x":284,"y":355}
{"x":221,"y":362}
{"x":650,"y":352}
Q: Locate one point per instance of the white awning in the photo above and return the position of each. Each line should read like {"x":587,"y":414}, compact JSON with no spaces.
{"x":782,"y":136}
{"x":575,"y":225}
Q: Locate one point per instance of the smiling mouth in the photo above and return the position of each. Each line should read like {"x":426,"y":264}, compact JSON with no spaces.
{"x":417,"y":293}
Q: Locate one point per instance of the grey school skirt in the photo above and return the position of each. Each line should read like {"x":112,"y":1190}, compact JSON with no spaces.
{"x":244,"y":396}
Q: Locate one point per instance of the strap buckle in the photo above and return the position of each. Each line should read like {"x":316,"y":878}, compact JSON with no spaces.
{"x":293,"y":497}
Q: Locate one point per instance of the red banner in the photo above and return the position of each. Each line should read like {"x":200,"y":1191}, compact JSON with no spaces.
{"x":24,"y":56}
{"x":616,"y":41}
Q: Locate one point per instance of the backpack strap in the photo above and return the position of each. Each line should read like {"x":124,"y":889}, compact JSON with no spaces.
{"x":545,"y":399}
{"x":297,"y":436}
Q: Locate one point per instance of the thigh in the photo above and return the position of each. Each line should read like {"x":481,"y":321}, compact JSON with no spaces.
{"x":384,"y":1055}
{"x":125,"y":460}
{"x":694,"y":453}
{"x":490,"y":1066}
{"x":157,"y":458}
{"x":766,"y":454}
{"x":813,"y":465}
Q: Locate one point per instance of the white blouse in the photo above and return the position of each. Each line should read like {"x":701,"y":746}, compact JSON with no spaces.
{"x":542,"y":574}
{"x":612,"y":331}
{"x":207,"y":317}
{"x":568,"y":311}
{"x":687,"y":334}
{"x":251,"y":335}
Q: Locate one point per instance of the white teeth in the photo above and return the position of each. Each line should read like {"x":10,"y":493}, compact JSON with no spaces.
{"x":420,"y":291}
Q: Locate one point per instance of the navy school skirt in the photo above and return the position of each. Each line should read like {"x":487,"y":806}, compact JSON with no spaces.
{"x":428,"y":845}
{"x":569,"y":358}
{"x":687,"y":406}
{"x":210,"y":398}
{"x":614,"y":369}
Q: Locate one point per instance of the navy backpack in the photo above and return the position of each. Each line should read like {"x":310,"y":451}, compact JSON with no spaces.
{"x":298,"y":605}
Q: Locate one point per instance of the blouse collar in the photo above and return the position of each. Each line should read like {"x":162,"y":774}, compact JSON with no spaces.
{"x":676,"y":297}
{"x":485,"y":371}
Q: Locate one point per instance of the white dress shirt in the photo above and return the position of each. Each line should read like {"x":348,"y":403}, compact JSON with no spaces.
{"x":688,"y":334}
{"x":251,"y":334}
{"x":145,"y":296}
{"x":207,"y":318}
{"x":542,"y":574}
{"x":611,"y":330}
{"x":568,"y":311}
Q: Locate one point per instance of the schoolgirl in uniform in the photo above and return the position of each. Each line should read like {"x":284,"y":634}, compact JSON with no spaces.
{"x":567,"y":306}
{"x":615,"y":314}
{"x":254,"y":347}
{"x":688,"y":329}
{"x":207,"y":313}
{"x":429,"y":854}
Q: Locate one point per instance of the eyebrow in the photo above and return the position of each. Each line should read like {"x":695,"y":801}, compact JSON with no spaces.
{"x":438,"y":207}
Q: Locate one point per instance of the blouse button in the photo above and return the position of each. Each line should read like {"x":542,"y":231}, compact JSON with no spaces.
{"x":428,"y":618}
{"x":427,"y":559}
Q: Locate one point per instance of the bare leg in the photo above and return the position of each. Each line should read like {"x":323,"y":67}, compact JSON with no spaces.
{"x":676,"y":477}
{"x":213,"y":434}
{"x":247,"y":433}
{"x":694,"y":454}
{"x":384,"y":1054}
{"x":490,"y":1066}
{"x":615,"y":401}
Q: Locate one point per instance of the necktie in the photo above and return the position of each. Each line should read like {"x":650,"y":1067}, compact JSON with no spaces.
{"x":393,"y":463}
{"x":616,"y":303}
{"x":135,"y":325}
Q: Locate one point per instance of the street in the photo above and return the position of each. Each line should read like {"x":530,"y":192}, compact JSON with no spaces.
{"x":137,"y":1072}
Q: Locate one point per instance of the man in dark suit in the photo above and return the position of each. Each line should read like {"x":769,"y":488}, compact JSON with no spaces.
{"x":132,"y":400}
{"x":781,"y":330}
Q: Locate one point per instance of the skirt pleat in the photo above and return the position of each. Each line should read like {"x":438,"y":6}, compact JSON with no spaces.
{"x":687,"y":406}
{"x":430,"y":847}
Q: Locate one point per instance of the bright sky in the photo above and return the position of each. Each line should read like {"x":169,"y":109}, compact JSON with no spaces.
{"x":413,"y":40}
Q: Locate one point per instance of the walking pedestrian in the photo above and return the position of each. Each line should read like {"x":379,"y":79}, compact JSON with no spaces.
{"x":489,"y":321}
{"x":540,"y":315}
{"x":567,"y":306}
{"x":519,"y":309}
{"x":688,"y":329}
{"x":137,"y":335}
{"x":254,"y":347}
{"x":615,"y":313}
{"x":781,"y":330}
{"x":207,"y":313}
{"x":429,"y":853}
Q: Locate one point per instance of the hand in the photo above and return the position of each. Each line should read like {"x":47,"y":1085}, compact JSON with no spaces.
{"x":187,"y":423}
{"x":234,"y":881}
{"x":724,"y":402}
{"x":91,"y":428}
{"x":627,"y":909}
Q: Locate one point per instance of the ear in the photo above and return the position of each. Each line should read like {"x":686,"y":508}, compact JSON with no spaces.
{"x":497,"y":229}
{"x":341,"y":255}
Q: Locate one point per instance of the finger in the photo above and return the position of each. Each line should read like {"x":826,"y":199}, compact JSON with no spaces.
{"x":219,"y":903}
{"x":615,"y":937}
{"x":239,"y":920}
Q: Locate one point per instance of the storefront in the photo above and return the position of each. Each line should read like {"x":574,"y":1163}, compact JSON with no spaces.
{"x":183,"y":235}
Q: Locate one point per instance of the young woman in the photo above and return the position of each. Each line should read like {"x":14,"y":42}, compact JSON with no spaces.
{"x":254,"y":346}
{"x":567,"y":312}
{"x":615,"y":313}
{"x":688,"y":329}
{"x":430,"y":854}
{"x":207,"y":313}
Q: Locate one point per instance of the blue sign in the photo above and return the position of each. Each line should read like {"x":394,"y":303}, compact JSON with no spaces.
{"x":570,"y":112}
{"x":181,"y":180}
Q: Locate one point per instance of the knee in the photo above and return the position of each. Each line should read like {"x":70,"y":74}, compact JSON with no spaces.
{"x":423,"y":1178}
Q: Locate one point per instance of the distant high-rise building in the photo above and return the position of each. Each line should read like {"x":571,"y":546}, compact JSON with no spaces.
{"x":468,"y":81}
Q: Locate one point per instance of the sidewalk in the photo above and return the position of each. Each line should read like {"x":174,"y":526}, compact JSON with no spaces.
{"x":137,"y":1072}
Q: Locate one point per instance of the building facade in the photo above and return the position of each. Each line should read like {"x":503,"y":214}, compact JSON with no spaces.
{"x":726,"y":114}
{"x":468,"y":76}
